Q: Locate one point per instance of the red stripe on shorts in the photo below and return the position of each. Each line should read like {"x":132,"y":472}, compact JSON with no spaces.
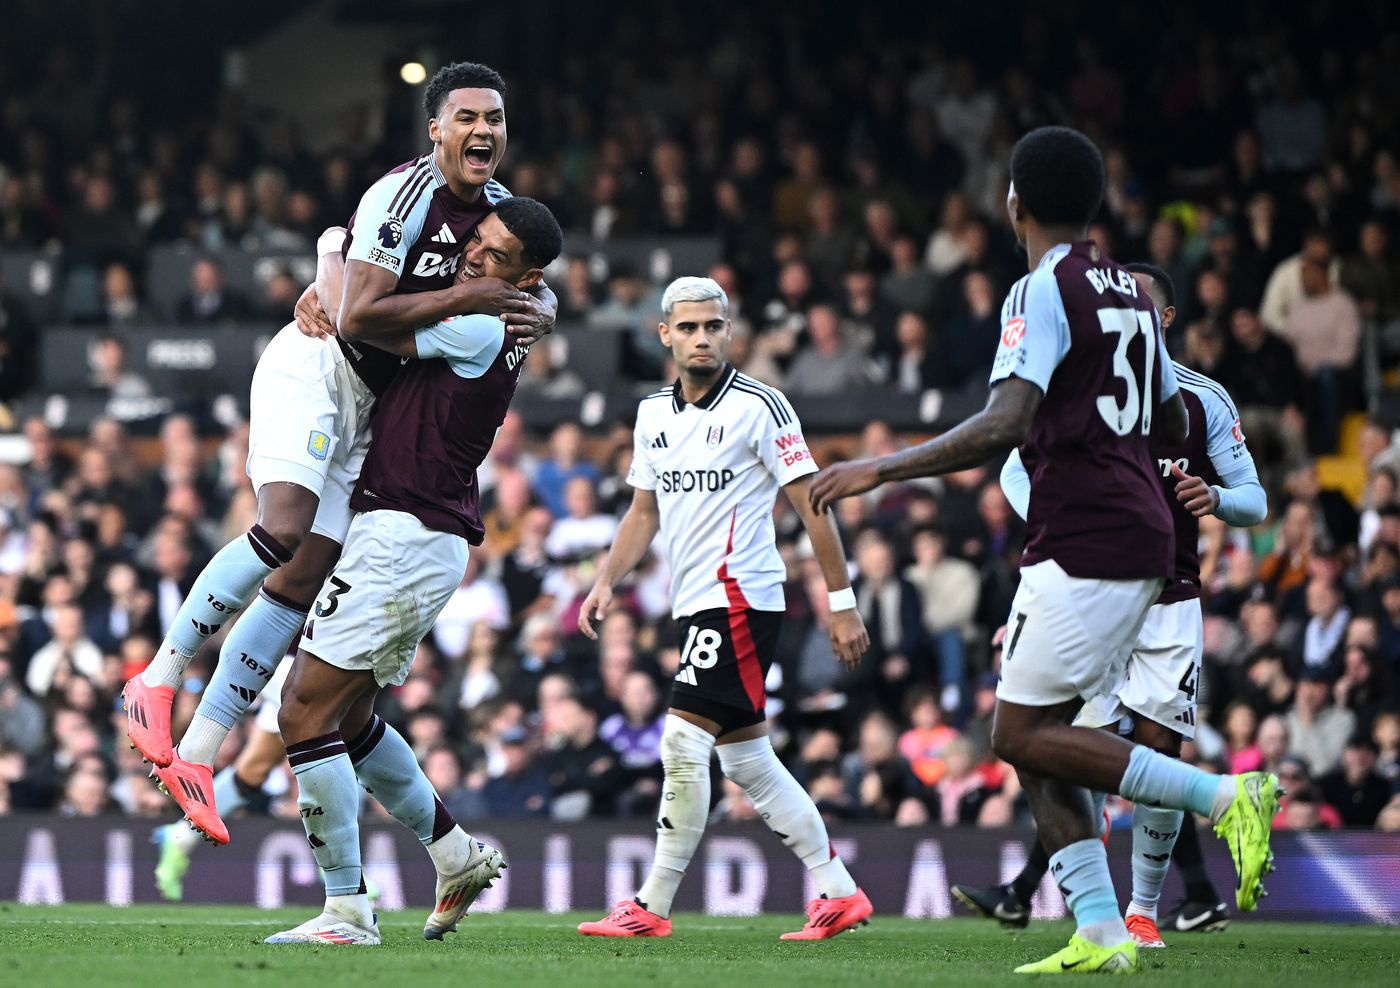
{"x":750,"y":669}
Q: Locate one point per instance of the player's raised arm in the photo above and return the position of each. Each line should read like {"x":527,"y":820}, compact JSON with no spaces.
{"x":370,"y":311}
{"x":849,"y":639}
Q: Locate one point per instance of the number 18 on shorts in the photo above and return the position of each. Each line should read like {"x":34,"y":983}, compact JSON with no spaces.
{"x":725,"y":658}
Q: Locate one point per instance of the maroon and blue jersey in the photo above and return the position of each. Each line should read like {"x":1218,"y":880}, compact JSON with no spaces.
{"x":412,"y":224}
{"x":1215,"y":449}
{"x":436,"y":421}
{"x":1080,"y":328}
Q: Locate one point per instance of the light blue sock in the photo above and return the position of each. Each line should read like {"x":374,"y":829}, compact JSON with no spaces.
{"x":249,"y":657}
{"x":1157,"y":780}
{"x":1154,"y":835}
{"x":329,"y":799}
{"x":1081,"y":871}
{"x":224,"y":586}
{"x":387,"y":768}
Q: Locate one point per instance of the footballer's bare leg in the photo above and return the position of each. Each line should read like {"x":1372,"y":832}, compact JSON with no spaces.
{"x":285,"y":514}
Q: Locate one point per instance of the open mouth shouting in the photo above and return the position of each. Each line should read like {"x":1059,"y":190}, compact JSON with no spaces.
{"x":478,"y":157}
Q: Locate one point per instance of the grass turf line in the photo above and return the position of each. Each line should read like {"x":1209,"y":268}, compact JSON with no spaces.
{"x":155,"y":946}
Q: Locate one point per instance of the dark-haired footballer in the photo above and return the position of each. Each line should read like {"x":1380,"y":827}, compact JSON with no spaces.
{"x":1159,"y":684}
{"x":311,"y":401}
{"x":417,"y":515}
{"x":1080,"y":375}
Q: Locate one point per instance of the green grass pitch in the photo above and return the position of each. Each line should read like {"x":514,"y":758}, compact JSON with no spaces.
{"x":208,"y":947}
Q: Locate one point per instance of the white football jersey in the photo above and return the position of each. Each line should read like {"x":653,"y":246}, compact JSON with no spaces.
{"x":716,"y":467}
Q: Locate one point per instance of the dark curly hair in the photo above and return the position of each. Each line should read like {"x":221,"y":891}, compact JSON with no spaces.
{"x":531,"y":222}
{"x":1059,"y":176}
{"x":459,"y":75}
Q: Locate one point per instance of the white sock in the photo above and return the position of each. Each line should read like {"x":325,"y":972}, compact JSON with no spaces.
{"x":354,"y":907}
{"x":1154,"y":835}
{"x":451,"y":852}
{"x":685,"y":806}
{"x":202,"y":741}
{"x":787,"y":809}
{"x":168,"y":667}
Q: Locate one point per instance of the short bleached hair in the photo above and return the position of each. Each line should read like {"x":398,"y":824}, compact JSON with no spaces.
{"x":691,"y":289}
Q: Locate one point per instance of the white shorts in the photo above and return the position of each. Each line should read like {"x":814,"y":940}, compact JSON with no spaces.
{"x":270,"y":700}
{"x":309,"y":424}
{"x":1069,"y":637}
{"x":1162,"y":674}
{"x":383,"y":597}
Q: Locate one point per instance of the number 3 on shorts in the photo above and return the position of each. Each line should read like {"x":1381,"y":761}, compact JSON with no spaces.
{"x":702,"y":648}
{"x":338,"y":587}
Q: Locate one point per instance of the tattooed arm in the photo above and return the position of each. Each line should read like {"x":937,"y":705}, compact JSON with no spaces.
{"x":1003,"y":424}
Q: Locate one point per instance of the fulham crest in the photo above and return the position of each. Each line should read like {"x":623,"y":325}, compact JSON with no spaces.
{"x":714,"y":437}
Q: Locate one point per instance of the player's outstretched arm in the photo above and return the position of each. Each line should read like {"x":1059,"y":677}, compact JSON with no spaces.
{"x":849,"y":639}
{"x":370,"y":311}
{"x":996,"y":429}
{"x":634,"y":534}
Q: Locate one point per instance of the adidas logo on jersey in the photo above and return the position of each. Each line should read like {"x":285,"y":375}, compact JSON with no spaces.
{"x":443,"y":236}
{"x":659,"y":442}
{"x":687,"y":676}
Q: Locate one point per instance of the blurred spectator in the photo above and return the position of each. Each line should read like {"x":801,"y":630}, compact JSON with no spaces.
{"x":120,"y":304}
{"x":969,"y":341}
{"x":479,"y":599}
{"x":963,"y":789}
{"x":566,"y":461}
{"x":1317,"y":730}
{"x":583,"y":529}
{"x":443,"y":767}
{"x":110,"y":376}
{"x":522,"y":789}
{"x":829,"y":364}
{"x":1324,"y":328}
{"x":908,"y":285}
{"x":209,"y":300}
{"x":583,"y":769}
{"x":924,"y":743}
{"x":916,"y":366}
{"x":1261,"y":375}
{"x":891,"y":609}
{"x":69,"y":654}
{"x":1356,"y":790}
{"x":1285,"y":290}
{"x":948,"y":590}
{"x":1323,"y":637}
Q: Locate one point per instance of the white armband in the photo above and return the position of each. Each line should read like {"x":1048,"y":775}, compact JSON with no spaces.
{"x":841,"y":600}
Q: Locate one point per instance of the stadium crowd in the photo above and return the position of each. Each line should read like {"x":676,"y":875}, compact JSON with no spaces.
{"x":855,"y":185}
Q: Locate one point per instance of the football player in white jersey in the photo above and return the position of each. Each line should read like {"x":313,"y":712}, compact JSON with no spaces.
{"x":709,"y":455}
